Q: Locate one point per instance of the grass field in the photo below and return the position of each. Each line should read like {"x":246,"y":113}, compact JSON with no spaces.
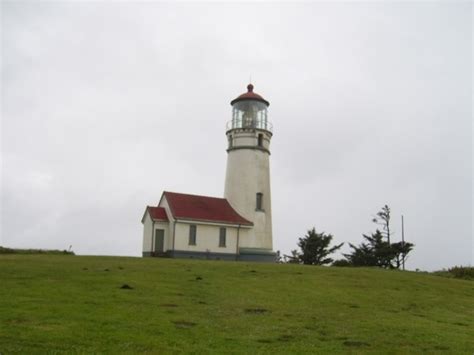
{"x":76,"y":304}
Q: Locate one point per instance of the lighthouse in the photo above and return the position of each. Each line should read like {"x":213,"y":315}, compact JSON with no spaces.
{"x":247,"y":182}
{"x":236,"y":227}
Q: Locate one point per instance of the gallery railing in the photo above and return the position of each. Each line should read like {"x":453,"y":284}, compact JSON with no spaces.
{"x":253,"y":123}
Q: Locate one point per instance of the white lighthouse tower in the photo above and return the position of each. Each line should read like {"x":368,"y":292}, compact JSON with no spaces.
{"x":247,"y":184}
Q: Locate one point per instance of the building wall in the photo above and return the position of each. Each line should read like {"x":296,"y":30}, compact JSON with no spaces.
{"x":248,"y":172}
{"x":164,"y":203}
{"x":248,"y":239}
{"x":207,"y":238}
{"x":248,"y":137}
{"x":149,"y":231}
{"x":168,"y":236}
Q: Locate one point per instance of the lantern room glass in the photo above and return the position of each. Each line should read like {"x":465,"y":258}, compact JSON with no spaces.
{"x":250,"y":114}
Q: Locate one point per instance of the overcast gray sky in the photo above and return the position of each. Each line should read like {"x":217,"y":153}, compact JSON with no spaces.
{"x":105,"y":105}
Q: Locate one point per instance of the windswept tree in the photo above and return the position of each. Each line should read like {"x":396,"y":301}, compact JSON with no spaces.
{"x":400,"y":250}
{"x":377,"y":250}
{"x":315,"y":248}
{"x":383,"y":219}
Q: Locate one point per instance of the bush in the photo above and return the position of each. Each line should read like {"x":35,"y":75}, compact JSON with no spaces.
{"x":458,"y":272}
{"x":342,"y":263}
{"x":462,"y":272}
{"x":4,"y":250}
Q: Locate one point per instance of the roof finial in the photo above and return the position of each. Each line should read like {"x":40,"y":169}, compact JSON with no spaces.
{"x":250,"y":86}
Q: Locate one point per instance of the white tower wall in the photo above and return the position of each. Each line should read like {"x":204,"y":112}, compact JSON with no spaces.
{"x":248,"y":173}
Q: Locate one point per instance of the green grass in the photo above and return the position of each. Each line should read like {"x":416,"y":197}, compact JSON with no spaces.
{"x":75,"y":304}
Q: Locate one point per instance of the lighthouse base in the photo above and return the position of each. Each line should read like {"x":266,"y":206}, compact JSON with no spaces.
{"x":256,"y":254}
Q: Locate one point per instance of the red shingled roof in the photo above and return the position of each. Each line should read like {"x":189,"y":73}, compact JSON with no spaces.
{"x":157,"y":213}
{"x":203,"y":208}
{"x":250,"y":95}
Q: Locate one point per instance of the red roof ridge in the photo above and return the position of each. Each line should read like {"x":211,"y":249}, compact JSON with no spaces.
{"x":193,"y":195}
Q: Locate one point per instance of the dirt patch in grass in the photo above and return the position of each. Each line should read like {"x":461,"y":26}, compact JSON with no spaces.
{"x":256,"y":310}
{"x":285,"y":337}
{"x":126,"y":287}
{"x":323,"y":332}
{"x":410,"y":307}
{"x":184,"y":324}
{"x":419,"y":315}
{"x":17,"y":321}
{"x":355,"y":343}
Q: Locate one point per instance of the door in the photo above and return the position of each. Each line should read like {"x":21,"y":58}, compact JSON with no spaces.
{"x":159,"y":241}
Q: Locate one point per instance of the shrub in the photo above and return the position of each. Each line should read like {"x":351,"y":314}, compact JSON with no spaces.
{"x":457,"y":272}
{"x":462,"y":272}
{"x":342,"y":263}
{"x":4,"y":250}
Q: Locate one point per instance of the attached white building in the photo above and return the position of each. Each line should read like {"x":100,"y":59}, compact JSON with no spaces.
{"x":237,"y":227}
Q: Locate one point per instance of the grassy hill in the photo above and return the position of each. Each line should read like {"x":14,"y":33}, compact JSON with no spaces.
{"x":64,"y":303}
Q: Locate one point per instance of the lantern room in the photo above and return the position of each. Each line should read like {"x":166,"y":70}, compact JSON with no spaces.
{"x":249,"y":110}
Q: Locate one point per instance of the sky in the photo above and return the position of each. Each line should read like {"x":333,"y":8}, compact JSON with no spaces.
{"x":106,"y":104}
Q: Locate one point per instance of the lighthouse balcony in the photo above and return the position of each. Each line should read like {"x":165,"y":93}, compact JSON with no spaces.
{"x":256,"y":123}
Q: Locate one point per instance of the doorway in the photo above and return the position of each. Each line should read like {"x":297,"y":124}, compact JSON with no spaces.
{"x":159,"y":241}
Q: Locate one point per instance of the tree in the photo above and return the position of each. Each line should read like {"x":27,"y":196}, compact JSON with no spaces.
{"x":315,"y":248}
{"x":377,"y":250}
{"x":294,"y":258}
{"x":401,"y":250}
{"x":383,"y":219}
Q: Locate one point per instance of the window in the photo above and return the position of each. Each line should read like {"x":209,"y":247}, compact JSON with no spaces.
{"x":260,"y":140}
{"x":192,"y":234}
{"x":222,"y":234}
{"x":259,"y":201}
